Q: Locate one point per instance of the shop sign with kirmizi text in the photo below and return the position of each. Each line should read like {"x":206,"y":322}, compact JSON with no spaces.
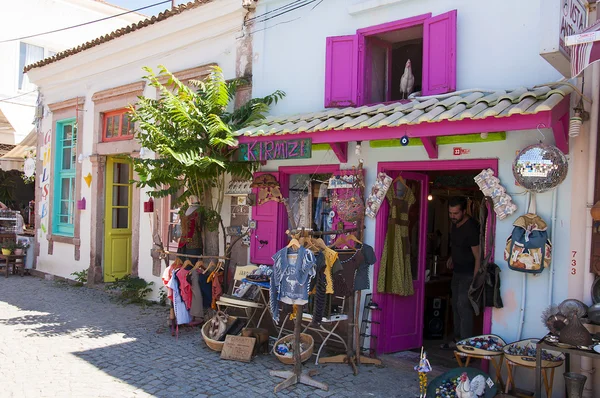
{"x":559,"y":19}
{"x":275,"y":150}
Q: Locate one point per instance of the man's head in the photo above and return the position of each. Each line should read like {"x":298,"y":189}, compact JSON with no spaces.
{"x":457,"y":209}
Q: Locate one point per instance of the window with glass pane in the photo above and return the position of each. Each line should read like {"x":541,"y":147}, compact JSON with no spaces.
{"x":118,"y":126}
{"x":64,"y":187}
{"x":28,"y":54}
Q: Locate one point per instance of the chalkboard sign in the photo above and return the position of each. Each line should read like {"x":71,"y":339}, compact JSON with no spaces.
{"x":238,"y":348}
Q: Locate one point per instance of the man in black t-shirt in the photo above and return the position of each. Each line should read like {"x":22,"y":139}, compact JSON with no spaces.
{"x":465,"y":261}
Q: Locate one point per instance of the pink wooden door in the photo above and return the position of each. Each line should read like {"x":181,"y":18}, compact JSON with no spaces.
{"x":401,"y":318}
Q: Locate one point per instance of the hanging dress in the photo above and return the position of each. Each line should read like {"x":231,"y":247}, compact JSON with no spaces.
{"x":395,"y":275}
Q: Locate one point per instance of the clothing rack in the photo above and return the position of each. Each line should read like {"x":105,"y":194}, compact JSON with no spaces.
{"x":192,"y":255}
{"x":297,"y":376}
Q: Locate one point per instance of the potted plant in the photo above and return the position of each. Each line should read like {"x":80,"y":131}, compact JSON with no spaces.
{"x":20,"y":247}
{"x":7,"y":248}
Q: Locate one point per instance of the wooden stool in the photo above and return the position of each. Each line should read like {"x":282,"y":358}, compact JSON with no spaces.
{"x":496,"y":361}
{"x":548,"y":381}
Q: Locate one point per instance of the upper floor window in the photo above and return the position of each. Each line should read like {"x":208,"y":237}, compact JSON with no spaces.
{"x":65,"y":157}
{"x":390,"y":61}
{"x":29,"y":54}
{"x":117,"y":125}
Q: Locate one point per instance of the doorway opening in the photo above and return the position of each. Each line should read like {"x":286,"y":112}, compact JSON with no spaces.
{"x":438,"y":322}
{"x":423,"y":317}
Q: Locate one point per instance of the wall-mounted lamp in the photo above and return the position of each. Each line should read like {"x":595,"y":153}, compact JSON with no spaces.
{"x":357,"y":150}
{"x":575,"y":122}
{"x":145,"y":153}
{"x":82,"y":157}
{"x":430,"y":197}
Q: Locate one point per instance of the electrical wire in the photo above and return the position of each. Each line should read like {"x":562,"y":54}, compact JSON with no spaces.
{"x":86,"y":23}
{"x":283,"y":12}
{"x":284,"y":22}
{"x":275,"y":10}
{"x":17,"y":96}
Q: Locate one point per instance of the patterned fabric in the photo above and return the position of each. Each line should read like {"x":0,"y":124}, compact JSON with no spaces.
{"x":395,"y":274}
{"x":320,"y":289}
{"x":330,"y":258}
{"x":290,"y":282}
{"x":191,"y":236}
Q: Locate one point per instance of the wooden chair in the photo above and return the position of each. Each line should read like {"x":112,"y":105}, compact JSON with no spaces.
{"x":249,"y":307}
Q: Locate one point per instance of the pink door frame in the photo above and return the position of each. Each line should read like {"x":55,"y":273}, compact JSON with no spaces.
{"x":381,"y":225}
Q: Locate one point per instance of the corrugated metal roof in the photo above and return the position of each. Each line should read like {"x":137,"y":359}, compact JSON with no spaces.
{"x":468,"y":105}
{"x":118,"y":33}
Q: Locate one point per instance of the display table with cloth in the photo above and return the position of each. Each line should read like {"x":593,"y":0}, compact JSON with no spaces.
{"x":12,"y":260}
{"x":567,"y":351}
{"x":264,"y":297}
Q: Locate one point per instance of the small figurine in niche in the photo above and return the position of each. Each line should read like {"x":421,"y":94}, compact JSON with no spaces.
{"x":423,"y":368}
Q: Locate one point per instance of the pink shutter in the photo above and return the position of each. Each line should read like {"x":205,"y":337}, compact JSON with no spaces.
{"x":439,"y":54}
{"x":263,"y":240}
{"x":341,"y":71}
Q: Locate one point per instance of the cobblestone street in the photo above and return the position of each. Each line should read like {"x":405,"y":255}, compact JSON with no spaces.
{"x":63,"y":341}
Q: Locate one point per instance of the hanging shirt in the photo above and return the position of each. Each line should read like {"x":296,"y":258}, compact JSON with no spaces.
{"x":290,"y":282}
{"x":182,"y":315}
{"x":462,"y":239}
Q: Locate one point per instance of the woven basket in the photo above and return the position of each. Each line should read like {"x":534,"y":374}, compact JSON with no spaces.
{"x":463,"y":347}
{"x":215,"y":345}
{"x":529,"y":361}
{"x":304,"y":338}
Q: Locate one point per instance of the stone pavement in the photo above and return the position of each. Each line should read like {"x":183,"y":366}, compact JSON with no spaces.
{"x":57,"y":340}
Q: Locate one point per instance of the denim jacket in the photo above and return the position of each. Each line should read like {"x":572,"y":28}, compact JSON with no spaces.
{"x":291,"y":281}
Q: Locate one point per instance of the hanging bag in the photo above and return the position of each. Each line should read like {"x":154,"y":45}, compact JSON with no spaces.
{"x":528,"y":248}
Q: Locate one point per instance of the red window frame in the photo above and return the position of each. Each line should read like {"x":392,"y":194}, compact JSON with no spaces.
{"x":120,"y":116}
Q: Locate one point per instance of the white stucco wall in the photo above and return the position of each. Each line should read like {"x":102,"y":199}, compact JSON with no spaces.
{"x":506,"y":319}
{"x":291,"y":56}
{"x":198,"y":37}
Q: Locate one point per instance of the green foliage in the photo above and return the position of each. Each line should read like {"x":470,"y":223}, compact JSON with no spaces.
{"x":191,"y":133}
{"x":162,"y":296}
{"x":81,"y":277}
{"x":131,"y":289}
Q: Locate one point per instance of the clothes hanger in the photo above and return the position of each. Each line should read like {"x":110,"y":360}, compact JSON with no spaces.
{"x":342,"y":239}
{"x":199,"y":264}
{"x":210,"y":265}
{"x":294,"y":244}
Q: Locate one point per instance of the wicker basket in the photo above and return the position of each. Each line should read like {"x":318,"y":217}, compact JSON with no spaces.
{"x":304,"y":338}
{"x":528,"y":360}
{"x":464,"y":347}
{"x":215,"y":345}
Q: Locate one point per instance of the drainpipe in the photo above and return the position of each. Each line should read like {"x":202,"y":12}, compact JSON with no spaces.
{"x":552,"y":266}
{"x":588,"y":278}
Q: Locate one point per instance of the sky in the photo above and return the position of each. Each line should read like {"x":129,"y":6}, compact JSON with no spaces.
{"x":134,"y":4}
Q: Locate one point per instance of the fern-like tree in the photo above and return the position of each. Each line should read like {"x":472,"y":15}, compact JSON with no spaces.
{"x":190,"y":129}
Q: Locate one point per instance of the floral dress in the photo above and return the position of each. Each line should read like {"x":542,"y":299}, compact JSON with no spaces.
{"x":395,"y":275}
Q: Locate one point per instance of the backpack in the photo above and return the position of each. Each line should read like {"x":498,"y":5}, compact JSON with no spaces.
{"x":529,"y":249}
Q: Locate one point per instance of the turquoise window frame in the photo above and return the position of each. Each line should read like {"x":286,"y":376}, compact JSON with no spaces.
{"x":63,"y":221}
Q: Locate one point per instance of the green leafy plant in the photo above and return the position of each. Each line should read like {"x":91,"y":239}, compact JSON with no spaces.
{"x":81,"y":277}
{"x":131,"y":289}
{"x":162,"y":296}
{"x":191,"y":131}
